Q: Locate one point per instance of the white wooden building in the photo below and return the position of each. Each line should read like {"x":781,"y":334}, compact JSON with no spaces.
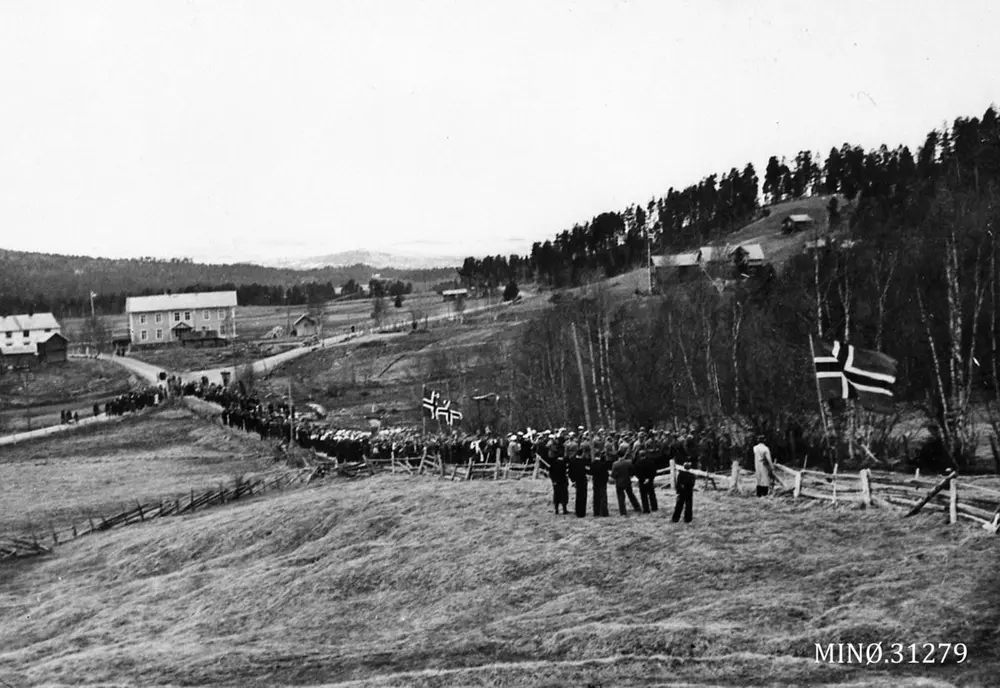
{"x":164,"y":318}
{"x":20,"y":331}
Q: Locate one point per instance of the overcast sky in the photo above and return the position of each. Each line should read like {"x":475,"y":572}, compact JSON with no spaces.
{"x":245,"y":130}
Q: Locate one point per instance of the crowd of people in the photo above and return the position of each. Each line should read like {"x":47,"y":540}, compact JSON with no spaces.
{"x":588,"y":460}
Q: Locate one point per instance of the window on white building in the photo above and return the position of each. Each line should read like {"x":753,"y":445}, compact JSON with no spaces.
{"x":187,"y":316}
{"x":159,"y":334}
{"x":206,"y":315}
{"x":48,"y":329}
{"x":159,"y":318}
{"x":142,"y":335}
{"x":27,"y":334}
{"x":177,"y":316}
{"x":221,"y":314}
{"x":142,"y":319}
{"x":10,"y":335}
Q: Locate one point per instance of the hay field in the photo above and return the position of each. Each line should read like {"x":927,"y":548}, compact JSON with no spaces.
{"x":398,"y":581}
{"x":64,"y":479}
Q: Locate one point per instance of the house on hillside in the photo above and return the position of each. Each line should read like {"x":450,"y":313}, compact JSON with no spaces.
{"x":796,"y":223}
{"x":305,"y":326}
{"x":746,"y":258}
{"x":27,"y":330}
{"x":680,"y":264}
{"x":166,"y":318}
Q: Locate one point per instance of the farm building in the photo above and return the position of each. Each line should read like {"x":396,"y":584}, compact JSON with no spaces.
{"x":305,"y":326}
{"x":201,"y":338}
{"x":796,"y":223}
{"x":682,"y":264}
{"x":168,"y":317}
{"x":53,"y":349}
{"x":454,"y":294}
{"x":18,"y":357}
{"x":27,"y":330}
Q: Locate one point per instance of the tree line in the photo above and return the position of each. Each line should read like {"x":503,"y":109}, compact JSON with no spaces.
{"x":913,"y":273}
{"x":37,"y":282}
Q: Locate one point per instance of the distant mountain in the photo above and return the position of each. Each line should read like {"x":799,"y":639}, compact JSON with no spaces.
{"x":375,"y":259}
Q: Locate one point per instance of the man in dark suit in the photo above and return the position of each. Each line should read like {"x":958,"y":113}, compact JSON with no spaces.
{"x":578,"y":474}
{"x":557,"y":475}
{"x":622,"y":472}
{"x":645,"y":471}
{"x":685,"y":493}
{"x":599,"y":468}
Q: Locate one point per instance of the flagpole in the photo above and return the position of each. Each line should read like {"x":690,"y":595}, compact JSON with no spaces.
{"x":819,"y":394}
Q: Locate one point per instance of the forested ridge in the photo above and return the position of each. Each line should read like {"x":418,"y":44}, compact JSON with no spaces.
{"x":918,"y":282}
{"x":62,"y":284}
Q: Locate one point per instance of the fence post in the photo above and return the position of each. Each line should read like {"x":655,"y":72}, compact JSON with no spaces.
{"x":55,"y":538}
{"x":834,"y":483}
{"x":798,"y":485}
{"x":953,"y":502}
{"x":538,"y":465}
{"x":192,"y":501}
{"x":468,"y":473}
{"x":736,"y":477}
{"x":866,"y":487}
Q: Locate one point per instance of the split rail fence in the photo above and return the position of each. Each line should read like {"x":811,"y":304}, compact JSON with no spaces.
{"x":42,"y":543}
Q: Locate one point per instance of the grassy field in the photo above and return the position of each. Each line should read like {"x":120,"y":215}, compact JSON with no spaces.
{"x":167,"y":451}
{"x":58,"y":383}
{"x":398,"y":581}
{"x":387,"y":374}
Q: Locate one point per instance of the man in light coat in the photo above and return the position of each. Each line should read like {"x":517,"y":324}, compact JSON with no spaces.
{"x":763,"y":466}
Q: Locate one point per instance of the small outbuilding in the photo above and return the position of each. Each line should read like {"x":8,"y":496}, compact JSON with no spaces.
{"x":53,"y":349}
{"x":305,"y":326}
{"x":19,"y":357}
{"x":796,"y":223}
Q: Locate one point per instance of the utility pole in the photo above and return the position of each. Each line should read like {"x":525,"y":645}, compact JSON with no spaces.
{"x":92,"y":295}
{"x":291,"y":418}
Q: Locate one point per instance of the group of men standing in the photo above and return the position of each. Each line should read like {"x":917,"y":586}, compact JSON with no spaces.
{"x":573,"y":461}
{"x":605,"y":460}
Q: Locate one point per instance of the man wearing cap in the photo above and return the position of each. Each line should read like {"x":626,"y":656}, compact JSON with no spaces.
{"x":763,"y":466}
{"x":685,"y":493}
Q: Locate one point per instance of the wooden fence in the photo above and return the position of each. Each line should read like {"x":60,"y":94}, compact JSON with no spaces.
{"x":242,"y":488}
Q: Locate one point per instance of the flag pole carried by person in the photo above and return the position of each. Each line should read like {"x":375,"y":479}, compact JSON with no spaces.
{"x":819,"y":394}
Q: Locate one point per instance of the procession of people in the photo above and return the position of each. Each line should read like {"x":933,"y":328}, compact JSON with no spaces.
{"x":590,"y":461}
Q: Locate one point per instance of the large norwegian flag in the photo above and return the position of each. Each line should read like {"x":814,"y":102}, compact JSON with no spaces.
{"x":848,"y":372}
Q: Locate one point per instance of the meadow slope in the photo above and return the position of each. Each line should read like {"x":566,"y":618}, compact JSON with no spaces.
{"x":411,"y":581}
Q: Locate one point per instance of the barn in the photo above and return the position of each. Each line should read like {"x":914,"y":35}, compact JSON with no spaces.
{"x":305,"y":326}
{"x":53,"y":349}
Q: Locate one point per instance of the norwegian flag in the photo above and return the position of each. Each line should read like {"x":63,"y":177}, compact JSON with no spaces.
{"x":446,"y":413}
{"x":849,"y":372}
{"x":432,"y":403}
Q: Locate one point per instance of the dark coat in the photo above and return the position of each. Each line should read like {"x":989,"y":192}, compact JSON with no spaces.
{"x":622,"y":471}
{"x":557,"y":469}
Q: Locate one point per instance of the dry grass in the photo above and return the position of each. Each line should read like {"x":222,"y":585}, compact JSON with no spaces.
{"x":60,"y":383}
{"x":401,"y":581}
{"x":95,"y":470}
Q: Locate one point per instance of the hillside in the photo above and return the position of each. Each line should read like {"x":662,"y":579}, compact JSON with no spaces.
{"x":405,"y":581}
{"x":63,"y":283}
